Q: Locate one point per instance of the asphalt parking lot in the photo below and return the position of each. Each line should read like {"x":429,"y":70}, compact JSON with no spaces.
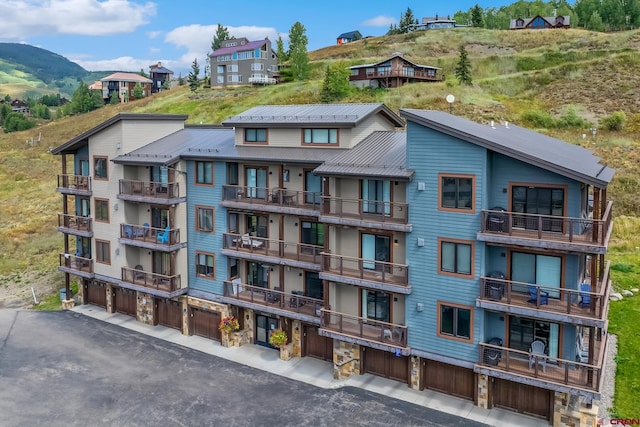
{"x":63,"y":368}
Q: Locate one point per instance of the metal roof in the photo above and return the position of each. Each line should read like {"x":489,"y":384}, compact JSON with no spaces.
{"x":381,"y":154}
{"x":519,"y":143}
{"x":250,"y":45}
{"x":73,"y":144}
{"x":333,"y":115}
{"x":395,"y":55}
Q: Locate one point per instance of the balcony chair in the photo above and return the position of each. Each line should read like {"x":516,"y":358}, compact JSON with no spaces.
{"x":138,"y":272}
{"x":537,"y":354}
{"x":128,"y":231}
{"x":163,"y":236}
{"x":533,"y":296}
{"x":295,"y":301}
{"x":585,"y":296}
{"x":273,"y":297}
{"x":582,"y":354}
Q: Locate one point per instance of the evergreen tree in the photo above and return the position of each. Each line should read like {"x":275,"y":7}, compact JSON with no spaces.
{"x":5,"y":109}
{"x":166,"y":84}
{"x":476,"y":16}
{"x":282,"y":54}
{"x":82,"y":101}
{"x":595,"y":22}
{"x":138,"y":92}
{"x":336,"y":82}
{"x":407,"y":22}
{"x":113,"y":99}
{"x":298,"y":54}
{"x":143,"y":74}
{"x":463,"y":69}
{"x":98,"y":101}
{"x":193,"y":79}
{"x":222,"y":34}
{"x":180,"y":80}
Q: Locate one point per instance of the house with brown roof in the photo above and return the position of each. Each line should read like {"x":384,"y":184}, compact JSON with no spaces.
{"x":540,"y":23}
{"x":123,"y":84}
{"x":393,"y":72}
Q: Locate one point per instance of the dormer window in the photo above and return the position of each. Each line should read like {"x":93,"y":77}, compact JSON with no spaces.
{"x":519,"y":23}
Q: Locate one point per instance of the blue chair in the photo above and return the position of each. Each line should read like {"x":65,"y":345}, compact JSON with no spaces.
{"x":163,"y":236}
{"x":585,"y":296}
{"x":128,"y":231}
{"x":533,"y":296}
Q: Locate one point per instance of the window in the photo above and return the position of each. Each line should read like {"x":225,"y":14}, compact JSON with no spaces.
{"x":257,"y":226}
{"x":312,"y":233}
{"x":355,"y":72}
{"x":377,"y":305}
{"x":231,"y":44}
{"x":255,"y":135}
{"x":256,"y":182}
{"x":312,"y":188}
{"x":100,"y":168}
{"x":220,"y":79}
{"x":233,"y":268}
{"x":234,"y":78}
{"x":257,"y":66}
{"x":534,"y":200}
{"x":232,"y":68}
{"x":232,"y":173}
{"x":313,"y":285}
{"x":204,"y":173}
{"x":536,"y":269}
{"x":376,"y":196}
{"x":376,"y":248}
{"x":204,"y":219}
{"x":247,"y":54}
{"x":102,"y":210}
{"x":220,"y":69}
{"x":320,"y":136}
{"x":455,"y":257}
{"x":457,"y":193}
{"x":103,"y":252}
{"x":205,"y":265}
{"x":455,"y":321}
{"x":223,"y":58}
{"x":233,"y":222}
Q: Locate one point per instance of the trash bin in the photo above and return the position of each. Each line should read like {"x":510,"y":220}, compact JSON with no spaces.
{"x":496,"y":221}
{"x":63,"y":294}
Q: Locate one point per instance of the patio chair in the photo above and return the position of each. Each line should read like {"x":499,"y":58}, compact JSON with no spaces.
{"x":585,"y":296}
{"x":582,"y":355}
{"x":273,"y":297}
{"x":537,"y":355}
{"x":128,"y":231}
{"x":138,"y":272}
{"x":163,"y":236}
{"x":533,"y":296}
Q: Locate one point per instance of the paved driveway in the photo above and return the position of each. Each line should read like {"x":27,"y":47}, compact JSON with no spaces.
{"x":65,"y":369}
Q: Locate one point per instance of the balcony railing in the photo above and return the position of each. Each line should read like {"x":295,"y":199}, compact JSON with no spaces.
{"x":546,"y":368}
{"x":367,"y":329}
{"x":149,"y":280}
{"x":271,"y":196}
{"x":366,"y":269}
{"x":547,"y":227}
{"x":75,"y":222}
{"x":74,"y":182}
{"x":577,"y":302}
{"x":148,"y":234}
{"x":75,"y":262}
{"x":274,"y":248}
{"x":294,"y":301}
{"x":415,"y":74}
{"x":156,"y":190}
{"x":371,"y":210}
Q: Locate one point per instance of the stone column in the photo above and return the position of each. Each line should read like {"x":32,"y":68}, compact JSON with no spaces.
{"x":573,"y":411}
{"x":483,"y":391}
{"x":109,"y":291}
{"x":346,"y":359}
{"x":415,"y":372}
{"x":296,"y":338}
{"x":145,"y":307}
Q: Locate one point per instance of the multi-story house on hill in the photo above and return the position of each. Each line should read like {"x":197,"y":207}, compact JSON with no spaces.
{"x":243,"y":62}
{"x":123,"y":85}
{"x":160,"y":77}
{"x":463,"y":258}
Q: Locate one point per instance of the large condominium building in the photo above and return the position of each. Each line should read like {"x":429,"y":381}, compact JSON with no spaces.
{"x":451,"y":256}
{"x":243,"y":62}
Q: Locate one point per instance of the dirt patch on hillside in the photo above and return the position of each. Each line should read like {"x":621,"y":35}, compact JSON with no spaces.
{"x":16,"y":288}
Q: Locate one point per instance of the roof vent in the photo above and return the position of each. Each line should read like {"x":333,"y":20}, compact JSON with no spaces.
{"x":493,"y":126}
{"x":506,"y":124}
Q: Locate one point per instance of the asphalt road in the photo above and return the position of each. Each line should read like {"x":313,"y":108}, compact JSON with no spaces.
{"x":65,"y":369}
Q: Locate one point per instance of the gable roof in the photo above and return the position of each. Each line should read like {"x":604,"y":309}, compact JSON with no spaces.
{"x":350,"y":35}
{"x":126,"y":77}
{"x":519,"y":143}
{"x":395,"y":55}
{"x":325,"y":115}
{"x":551,"y":20}
{"x":160,"y":70}
{"x":231,"y":49}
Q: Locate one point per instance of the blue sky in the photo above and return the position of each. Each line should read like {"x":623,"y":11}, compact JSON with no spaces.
{"x":128,"y":35}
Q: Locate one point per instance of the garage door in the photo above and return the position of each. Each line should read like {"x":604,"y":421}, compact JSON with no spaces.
{"x":448,"y":379}
{"x":204,"y":323}
{"x":522,"y":398}
{"x":96,"y":293}
{"x":385,"y":364}
{"x":125,"y":301}
{"x":169,"y":313}
{"x":316,"y":345}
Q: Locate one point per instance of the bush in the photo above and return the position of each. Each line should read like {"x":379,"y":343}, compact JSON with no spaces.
{"x":614,"y":122}
{"x":570,"y":119}
{"x":539,"y":119}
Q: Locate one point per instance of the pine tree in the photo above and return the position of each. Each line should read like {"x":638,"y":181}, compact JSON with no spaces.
{"x":222,"y":34}
{"x":138,"y":92}
{"x":336,"y":82}
{"x":282,"y":54}
{"x":298,"y":54}
{"x":463,"y":69}
{"x":476,"y":16}
{"x":407,"y":22}
{"x":194,"y":81}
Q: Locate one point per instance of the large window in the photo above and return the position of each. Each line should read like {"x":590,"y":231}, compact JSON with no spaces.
{"x":455,"y":321}
{"x":258,"y":274}
{"x":456,"y":193}
{"x":313,"y":285}
{"x":256,"y":182}
{"x":312,"y":233}
{"x":100,"y":168}
{"x":255,"y":135}
{"x":204,"y":173}
{"x":376,"y":196}
{"x":320,"y":136}
{"x":204,"y":219}
{"x":376,"y":248}
{"x":455,"y":257}
{"x":377,"y":305}
{"x":537,"y":269}
{"x":102,"y":210}
{"x":312,"y":188}
{"x":537,"y":201}
{"x":257,"y":226}
{"x":205,"y":265}
{"x":523,"y":331}
{"x":103,"y":252}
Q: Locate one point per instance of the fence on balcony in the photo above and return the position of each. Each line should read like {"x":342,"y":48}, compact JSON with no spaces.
{"x":271,"y":196}
{"x":146,"y":233}
{"x":157,"y":190}
{"x":76,"y":262}
{"x":362,"y":327}
{"x":75,"y":222}
{"x":294,"y":301}
{"x":74,"y":182}
{"x":274,"y":248}
{"x":372,"y":210}
{"x":366,"y":269}
{"x":138,"y":276}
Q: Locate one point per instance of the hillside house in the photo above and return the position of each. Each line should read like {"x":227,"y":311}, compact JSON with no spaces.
{"x":540,"y":23}
{"x":159,"y":75}
{"x":436,"y":23}
{"x":393,"y":72}
{"x":123,"y":84}
{"x":349,"y":37}
{"x":243,"y":62}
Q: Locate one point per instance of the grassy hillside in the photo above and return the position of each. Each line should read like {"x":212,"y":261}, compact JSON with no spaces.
{"x":594,"y":74}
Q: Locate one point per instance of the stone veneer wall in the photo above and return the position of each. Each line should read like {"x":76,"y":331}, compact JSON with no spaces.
{"x":249,"y":322}
{"x":109,"y":291}
{"x":572,"y":411}
{"x":415,"y":372}
{"x":346,"y":359}
{"x":483,"y":391}
{"x":145,"y":308}
{"x":296,"y":338}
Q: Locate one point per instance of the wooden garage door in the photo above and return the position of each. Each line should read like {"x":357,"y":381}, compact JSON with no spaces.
{"x":205,"y":323}
{"x":385,"y":364}
{"x":448,"y":379}
{"x":169,"y":313}
{"x":96,"y":293}
{"x":522,"y":398}
{"x":316,"y":345}
{"x":125,"y":301}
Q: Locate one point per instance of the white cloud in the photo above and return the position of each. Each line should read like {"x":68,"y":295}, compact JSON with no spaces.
{"x":379,"y":21}
{"x":154,"y":34}
{"x":29,"y":18}
{"x":123,"y":63}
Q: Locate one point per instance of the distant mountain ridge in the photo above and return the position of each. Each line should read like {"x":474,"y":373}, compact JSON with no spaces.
{"x":41,"y":63}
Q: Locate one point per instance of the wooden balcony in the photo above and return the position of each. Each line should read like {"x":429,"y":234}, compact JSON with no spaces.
{"x":74,"y":184}
{"x":160,"y":282}
{"x":415,"y":74}
{"x":272,"y":300}
{"x":74,"y":224}
{"x":380,"y":334}
{"x":554,"y":304}
{"x":385,"y":276}
{"x":584,"y":235}
{"x":277,"y":200}
{"x":273,"y":251}
{"x":366,"y":213}
{"x":150,"y":192}
{"x":153,"y":238}
{"x":75,"y":264}
{"x":515,"y":365}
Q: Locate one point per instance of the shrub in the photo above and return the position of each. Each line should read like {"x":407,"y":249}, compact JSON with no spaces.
{"x":570,"y":119}
{"x":539,"y":119}
{"x":614,"y":122}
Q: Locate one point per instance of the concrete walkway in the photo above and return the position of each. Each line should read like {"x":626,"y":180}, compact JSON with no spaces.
{"x":317,"y":372}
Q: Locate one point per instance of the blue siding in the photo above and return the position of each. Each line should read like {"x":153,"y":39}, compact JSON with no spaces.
{"x":206,"y":242}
